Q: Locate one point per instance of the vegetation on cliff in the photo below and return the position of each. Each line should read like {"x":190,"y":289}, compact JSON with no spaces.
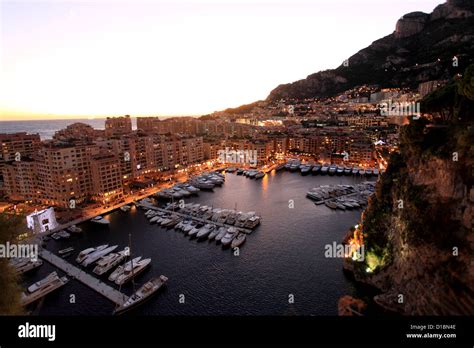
{"x":419,"y":221}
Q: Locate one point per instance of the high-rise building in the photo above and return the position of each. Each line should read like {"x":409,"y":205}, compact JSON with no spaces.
{"x":117,"y":126}
{"x":17,"y":146}
{"x":107,"y":185}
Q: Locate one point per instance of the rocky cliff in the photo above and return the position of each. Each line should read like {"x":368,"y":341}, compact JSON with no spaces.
{"x":418,"y":228}
{"x":420,"y":49}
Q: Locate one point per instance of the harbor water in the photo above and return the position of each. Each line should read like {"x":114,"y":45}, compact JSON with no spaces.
{"x":280,"y":270}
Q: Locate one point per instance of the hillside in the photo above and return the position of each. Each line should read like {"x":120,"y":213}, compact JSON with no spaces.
{"x":420,"y":49}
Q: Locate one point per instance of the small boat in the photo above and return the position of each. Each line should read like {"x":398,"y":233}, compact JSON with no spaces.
{"x":144,"y":293}
{"x":215,"y":232}
{"x":368,"y":172}
{"x":332,"y":169}
{"x":74,"y":229}
{"x":125,"y":208}
{"x":56,"y":236}
{"x":64,"y":234}
{"x":65,"y":251}
{"x":222,"y":232}
{"x":340,"y":206}
{"x":331,"y":205}
{"x":347,"y":171}
{"x":252,"y":222}
{"x":306,"y":169}
{"x":316,"y":169}
{"x":259,"y":175}
{"x":355,"y":171}
{"x":361,"y":172}
{"x":27,"y":265}
{"x":86,"y":252}
{"x":376,"y":171}
{"x":229,"y":236}
{"x":280,"y":167}
{"x":154,"y":219}
{"x":204,"y":232}
{"x":238,"y":241}
{"x":240,"y":171}
{"x":100,"y":220}
{"x":340,"y":170}
{"x":135,"y":269}
{"x":324,"y":169}
{"x":195,"y":230}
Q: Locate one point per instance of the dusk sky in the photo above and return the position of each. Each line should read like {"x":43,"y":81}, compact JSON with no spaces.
{"x":72,"y":58}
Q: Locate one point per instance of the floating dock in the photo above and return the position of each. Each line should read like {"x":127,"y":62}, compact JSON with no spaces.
{"x":151,"y":206}
{"x":95,"y":284}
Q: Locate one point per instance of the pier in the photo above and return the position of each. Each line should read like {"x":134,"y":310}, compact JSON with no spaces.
{"x":151,"y":206}
{"x":95,"y":284}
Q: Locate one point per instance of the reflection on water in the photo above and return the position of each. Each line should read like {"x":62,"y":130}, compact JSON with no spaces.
{"x":285,"y":255}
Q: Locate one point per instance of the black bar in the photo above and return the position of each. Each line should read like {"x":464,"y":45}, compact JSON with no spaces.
{"x":134,"y":331}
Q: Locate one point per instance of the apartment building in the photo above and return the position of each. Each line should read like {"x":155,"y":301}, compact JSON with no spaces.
{"x":16,"y":146}
{"x":107,"y":185}
{"x":117,"y":126}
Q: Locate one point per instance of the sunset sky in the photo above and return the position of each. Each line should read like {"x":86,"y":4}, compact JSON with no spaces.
{"x":75,"y":58}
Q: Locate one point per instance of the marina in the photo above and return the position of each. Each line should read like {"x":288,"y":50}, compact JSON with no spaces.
{"x":288,"y":245}
{"x":150,"y":206}
{"x":75,"y":273}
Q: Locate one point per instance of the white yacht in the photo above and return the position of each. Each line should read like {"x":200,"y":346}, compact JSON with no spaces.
{"x":227,"y":239}
{"x":135,"y":270}
{"x":94,"y":256}
{"x":221,"y":234}
{"x":84,"y":253}
{"x":142,"y":294}
{"x":106,"y":263}
{"x":204,"y":232}
{"x":120,"y":269}
{"x":43,"y":282}
{"x":238,"y":240}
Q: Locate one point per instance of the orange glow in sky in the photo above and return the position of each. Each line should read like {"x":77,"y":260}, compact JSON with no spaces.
{"x":102,"y":58}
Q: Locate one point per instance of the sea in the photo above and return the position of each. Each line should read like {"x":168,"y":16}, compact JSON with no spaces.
{"x":47,"y":128}
{"x":281,"y":269}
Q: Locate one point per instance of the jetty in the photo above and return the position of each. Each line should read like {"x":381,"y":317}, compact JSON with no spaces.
{"x":186,"y":216}
{"x":95,"y":284}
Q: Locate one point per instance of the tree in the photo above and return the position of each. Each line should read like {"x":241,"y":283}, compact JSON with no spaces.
{"x":11,"y":225}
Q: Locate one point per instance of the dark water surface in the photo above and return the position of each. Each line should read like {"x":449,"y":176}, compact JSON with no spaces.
{"x":283,"y":256}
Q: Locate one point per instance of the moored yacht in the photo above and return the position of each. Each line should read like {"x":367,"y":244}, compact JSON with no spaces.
{"x":316,"y":169}
{"x":120,"y":269}
{"x":106,"y":263}
{"x":238,"y":240}
{"x":135,"y":270}
{"x":229,"y":236}
{"x":94,"y":256}
{"x":86,"y":252}
{"x":142,"y":294}
{"x":100,"y":220}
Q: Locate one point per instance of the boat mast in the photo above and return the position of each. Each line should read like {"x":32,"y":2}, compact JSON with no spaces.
{"x":131,"y":258}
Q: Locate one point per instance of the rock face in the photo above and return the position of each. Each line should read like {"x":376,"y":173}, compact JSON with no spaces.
{"x":423,"y":248}
{"x":420,"y":49}
{"x":410,"y":24}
